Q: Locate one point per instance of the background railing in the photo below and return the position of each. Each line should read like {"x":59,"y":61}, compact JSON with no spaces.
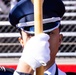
{"x":9,"y":45}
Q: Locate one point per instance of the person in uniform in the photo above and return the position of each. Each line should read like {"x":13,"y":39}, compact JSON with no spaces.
{"x":40,"y":49}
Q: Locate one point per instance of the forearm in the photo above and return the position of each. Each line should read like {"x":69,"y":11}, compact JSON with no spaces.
{"x":24,"y":67}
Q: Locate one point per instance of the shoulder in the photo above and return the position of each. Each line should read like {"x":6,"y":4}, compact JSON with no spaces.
{"x":65,"y":73}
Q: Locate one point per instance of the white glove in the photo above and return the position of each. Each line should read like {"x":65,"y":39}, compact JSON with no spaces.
{"x":37,"y":52}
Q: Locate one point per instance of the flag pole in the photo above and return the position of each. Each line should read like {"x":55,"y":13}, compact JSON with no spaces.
{"x":38,"y":17}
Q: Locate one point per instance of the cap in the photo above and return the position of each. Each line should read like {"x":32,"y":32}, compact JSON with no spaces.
{"x":22,"y":15}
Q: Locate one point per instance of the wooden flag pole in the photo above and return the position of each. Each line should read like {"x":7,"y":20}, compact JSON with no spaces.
{"x":38,"y":16}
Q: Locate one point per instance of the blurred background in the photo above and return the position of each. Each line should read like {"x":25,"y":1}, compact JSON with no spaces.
{"x":11,"y":49}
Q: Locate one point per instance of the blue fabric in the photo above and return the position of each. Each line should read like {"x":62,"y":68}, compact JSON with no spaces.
{"x":56,"y":73}
{"x":19,"y":11}
{"x":45,"y":74}
{"x":6,"y":73}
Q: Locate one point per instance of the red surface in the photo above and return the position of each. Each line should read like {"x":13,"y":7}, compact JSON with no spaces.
{"x":68,"y":68}
{"x":65,"y":67}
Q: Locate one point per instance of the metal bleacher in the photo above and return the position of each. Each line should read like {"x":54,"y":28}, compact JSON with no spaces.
{"x":9,"y":45}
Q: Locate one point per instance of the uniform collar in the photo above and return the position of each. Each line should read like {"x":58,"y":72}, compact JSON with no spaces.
{"x":53,"y":70}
